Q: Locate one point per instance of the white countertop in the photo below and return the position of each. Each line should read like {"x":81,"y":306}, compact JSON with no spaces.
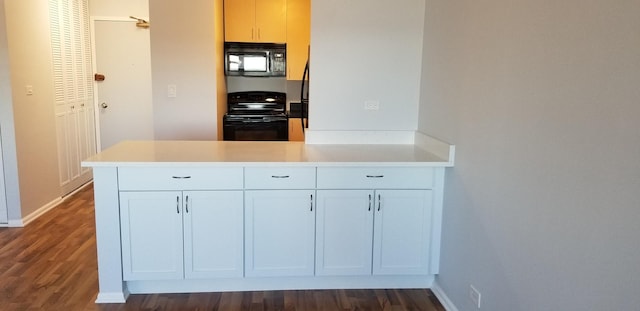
{"x":243,"y":153}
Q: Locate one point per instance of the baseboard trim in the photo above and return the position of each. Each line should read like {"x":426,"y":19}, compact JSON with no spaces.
{"x":442,"y":297}
{"x":44,"y":209}
{"x":41,"y":211}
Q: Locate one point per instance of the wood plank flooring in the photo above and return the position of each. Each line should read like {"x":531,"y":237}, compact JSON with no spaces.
{"x":51,"y":265}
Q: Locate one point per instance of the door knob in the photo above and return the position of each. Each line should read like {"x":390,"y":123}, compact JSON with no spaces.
{"x":104,"y":105}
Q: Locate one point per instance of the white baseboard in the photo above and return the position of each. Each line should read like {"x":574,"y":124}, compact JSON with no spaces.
{"x":16,"y":223}
{"x":442,"y":297}
{"x":41,"y":211}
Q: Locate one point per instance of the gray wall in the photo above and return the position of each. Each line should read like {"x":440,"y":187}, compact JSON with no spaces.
{"x":542,"y":99}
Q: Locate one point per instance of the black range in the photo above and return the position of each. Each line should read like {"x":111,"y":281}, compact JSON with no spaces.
{"x":256,"y":115}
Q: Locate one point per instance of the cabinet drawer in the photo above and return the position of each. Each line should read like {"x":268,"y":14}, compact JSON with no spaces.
{"x":375,"y":177}
{"x":280,"y":177}
{"x":180,"y":178}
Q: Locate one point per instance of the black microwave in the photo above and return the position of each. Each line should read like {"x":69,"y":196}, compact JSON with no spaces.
{"x":255,"y":59}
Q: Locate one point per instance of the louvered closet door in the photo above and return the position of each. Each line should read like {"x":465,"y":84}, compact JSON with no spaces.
{"x":73,"y":89}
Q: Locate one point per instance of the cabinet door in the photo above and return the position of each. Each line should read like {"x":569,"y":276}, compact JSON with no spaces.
{"x":271,"y":21}
{"x":151,"y":233}
{"x":298,"y":34}
{"x":402,"y":231}
{"x":344,"y":232}
{"x":279,"y":232}
{"x":213,"y":234}
{"x":239,"y":20}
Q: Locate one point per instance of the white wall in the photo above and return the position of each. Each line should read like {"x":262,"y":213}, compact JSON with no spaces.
{"x":119,"y":8}
{"x":29,"y":47}
{"x":7,"y":131}
{"x":183,"y":53}
{"x":365,"y":50}
{"x":541,"y":98}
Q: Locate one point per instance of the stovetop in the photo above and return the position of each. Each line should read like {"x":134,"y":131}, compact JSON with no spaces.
{"x":256,"y":103}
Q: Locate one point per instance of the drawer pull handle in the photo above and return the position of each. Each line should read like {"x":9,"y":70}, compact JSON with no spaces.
{"x":280,"y":176}
{"x":375,"y":176}
{"x":180,"y":177}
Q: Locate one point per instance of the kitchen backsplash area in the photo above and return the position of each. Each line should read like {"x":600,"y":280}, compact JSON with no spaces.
{"x":273,"y":84}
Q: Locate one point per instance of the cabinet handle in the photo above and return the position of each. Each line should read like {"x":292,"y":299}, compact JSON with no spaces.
{"x":311,"y":203}
{"x":379,"y":200}
{"x":369,"y":202}
{"x":280,"y":176}
{"x":186,"y":204}
{"x":180,"y":177}
{"x":375,"y":176}
{"x":258,"y":33}
{"x":252,"y":34}
{"x":178,"y":204}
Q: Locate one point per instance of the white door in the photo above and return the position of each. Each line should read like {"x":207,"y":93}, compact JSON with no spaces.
{"x":213,"y":234}
{"x":3,"y":193}
{"x":280,"y":233}
{"x":344,"y":232}
{"x":402,"y":232}
{"x":123,"y":99}
{"x":151,"y":233}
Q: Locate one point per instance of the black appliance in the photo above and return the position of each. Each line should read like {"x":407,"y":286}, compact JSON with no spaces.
{"x":256,"y":115}
{"x":304,"y":95}
{"x":255,"y":59}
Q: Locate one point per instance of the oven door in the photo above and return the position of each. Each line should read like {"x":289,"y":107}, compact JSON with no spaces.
{"x":256,"y":128}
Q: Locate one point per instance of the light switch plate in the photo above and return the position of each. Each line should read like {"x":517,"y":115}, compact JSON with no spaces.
{"x":172,"y":91}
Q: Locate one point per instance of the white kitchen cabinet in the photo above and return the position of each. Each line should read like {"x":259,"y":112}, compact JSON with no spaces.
{"x":395,"y":222}
{"x":298,"y":217}
{"x":213,"y":234}
{"x":393,"y":204}
{"x":151,"y":232}
{"x":279,"y":233}
{"x":175,"y":235}
{"x":402,"y":232}
{"x":344,"y":232}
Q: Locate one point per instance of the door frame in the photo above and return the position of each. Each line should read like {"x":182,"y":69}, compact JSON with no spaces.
{"x":94,"y":65}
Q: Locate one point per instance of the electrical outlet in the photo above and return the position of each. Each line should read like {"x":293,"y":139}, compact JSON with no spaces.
{"x":371,"y":105}
{"x":28,"y":89}
{"x":475,"y":296}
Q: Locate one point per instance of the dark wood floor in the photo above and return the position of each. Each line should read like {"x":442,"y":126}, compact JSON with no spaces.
{"x":51,"y":265}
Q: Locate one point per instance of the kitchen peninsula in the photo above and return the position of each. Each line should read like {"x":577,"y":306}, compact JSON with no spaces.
{"x":197,"y":216}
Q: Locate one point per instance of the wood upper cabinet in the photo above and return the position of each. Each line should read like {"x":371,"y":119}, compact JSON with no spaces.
{"x":255,"y":21}
{"x":298,"y":37}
